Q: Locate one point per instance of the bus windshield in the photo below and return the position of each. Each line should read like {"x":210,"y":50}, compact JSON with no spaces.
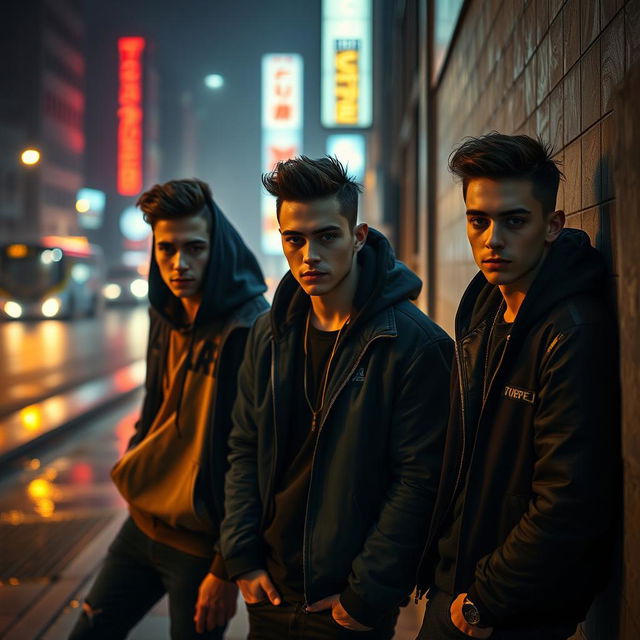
{"x":28,"y":271}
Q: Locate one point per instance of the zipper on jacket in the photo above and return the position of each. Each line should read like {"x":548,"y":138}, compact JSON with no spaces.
{"x":275,"y":433}
{"x":305,"y":548}
{"x":554,"y":342}
{"x":493,"y":377}
{"x":464,"y":424}
{"x":484,"y":402}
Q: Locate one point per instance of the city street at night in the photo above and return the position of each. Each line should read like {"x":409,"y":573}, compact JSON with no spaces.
{"x":58,"y":513}
{"x":320,"y":319}
{"x":59,"y":509}
{"x":42,"y":359}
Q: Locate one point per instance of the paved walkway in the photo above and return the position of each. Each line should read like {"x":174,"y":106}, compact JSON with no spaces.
{"x":69,"y":484}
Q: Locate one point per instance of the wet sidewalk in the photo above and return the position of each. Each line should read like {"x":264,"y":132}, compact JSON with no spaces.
{"x":58,"y":514}
{"x":21,"y":430}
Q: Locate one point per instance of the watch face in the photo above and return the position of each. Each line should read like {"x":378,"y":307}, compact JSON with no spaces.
{"x":470,"y":613}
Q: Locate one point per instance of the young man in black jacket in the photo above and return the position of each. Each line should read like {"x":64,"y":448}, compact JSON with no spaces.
{"x":338,"y":426}
{"x":205,"y":290}
{"x":518,"y":542}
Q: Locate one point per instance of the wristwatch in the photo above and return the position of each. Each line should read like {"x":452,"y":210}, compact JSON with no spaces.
{"x":470,"y":613}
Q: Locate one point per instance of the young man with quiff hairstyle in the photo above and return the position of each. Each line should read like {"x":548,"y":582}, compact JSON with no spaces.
{"x":338,"y":426}
{"x":519,"y":538}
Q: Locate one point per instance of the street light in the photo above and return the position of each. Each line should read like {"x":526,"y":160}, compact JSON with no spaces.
{"x":83,"y":205}
{"x":30,"y":157}
{"x":214,"y":81}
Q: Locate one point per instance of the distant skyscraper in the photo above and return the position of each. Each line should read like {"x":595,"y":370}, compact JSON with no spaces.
{"x":42,"y":74}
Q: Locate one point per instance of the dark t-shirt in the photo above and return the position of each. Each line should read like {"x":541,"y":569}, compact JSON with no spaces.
{"x":448,"y":543}
{"x":284,"y":534}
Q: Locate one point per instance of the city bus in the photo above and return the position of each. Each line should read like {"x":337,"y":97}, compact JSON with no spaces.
{"x":55,"y":277}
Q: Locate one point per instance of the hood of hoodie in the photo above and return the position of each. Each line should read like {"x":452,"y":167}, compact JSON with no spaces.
{"x":383,"y":282}
{"x":572,"y":267}
{"x":232,"y":277}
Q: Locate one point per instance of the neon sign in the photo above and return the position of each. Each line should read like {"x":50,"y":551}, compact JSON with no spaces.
{"x":347,"y":53}
{"x":282,"y":78}
{"x":130,"y":116}
{"x":347,"y":89}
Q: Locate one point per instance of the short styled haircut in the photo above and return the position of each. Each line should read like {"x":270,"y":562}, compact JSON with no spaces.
{"x":497,"y":156}
{"x":176,"y":199}
{"x":302,"y":179}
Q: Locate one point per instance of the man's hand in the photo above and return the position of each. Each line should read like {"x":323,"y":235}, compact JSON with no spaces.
{"x":458,"y":620}
{"x":216,"y":603}
{"x":256,"y":586}
{"x":338,"y":612}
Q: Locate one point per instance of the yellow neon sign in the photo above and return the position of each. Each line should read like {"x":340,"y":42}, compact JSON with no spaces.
{"x":347,"y":90}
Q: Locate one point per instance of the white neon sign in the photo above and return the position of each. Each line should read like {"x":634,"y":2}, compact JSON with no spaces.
{"x":347,"y":90}
{"x":282,"y":120}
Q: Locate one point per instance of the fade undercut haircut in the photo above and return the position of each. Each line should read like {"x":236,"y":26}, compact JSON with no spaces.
{"x":302,"y":179}
{"x":176,"y":199}
{"x":497,"y":156}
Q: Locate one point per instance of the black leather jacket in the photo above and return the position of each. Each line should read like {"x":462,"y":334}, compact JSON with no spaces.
{"x":539,"y":450}
{"x":379,"y":448}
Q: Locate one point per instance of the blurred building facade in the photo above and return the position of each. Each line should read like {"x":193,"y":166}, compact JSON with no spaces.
{"x":42,"y":103}
{"x":548,"y":68}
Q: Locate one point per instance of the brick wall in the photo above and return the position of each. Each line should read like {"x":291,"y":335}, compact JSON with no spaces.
{"x":549,"y":68}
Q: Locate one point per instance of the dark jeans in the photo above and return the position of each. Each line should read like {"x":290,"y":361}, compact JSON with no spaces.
{"x":437,"y":625}
{"x":291,"y":622}
{"x":136,"y":573}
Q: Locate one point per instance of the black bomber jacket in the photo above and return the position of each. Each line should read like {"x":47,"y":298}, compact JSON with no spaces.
{"x":379,"y":447}
{"x":539,"y":453}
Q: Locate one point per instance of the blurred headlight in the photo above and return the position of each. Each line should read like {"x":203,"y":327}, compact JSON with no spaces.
{"x":50,"y":307}
{"x":12,"y":309}
{"x":139,"y":288}
{"x":111,"y":291}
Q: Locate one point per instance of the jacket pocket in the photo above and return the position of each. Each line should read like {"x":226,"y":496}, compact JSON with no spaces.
{"x":260,"y":603}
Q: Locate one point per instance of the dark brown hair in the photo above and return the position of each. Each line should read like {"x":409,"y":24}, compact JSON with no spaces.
{"x":302,"y":179}
{"x":498,"y":156}
{"x":176,"y":199}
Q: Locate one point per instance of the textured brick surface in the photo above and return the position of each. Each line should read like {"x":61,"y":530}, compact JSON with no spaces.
{"x":572,"y":104}
{"x":556,"y":49}
{"x":591,"y":168}
{"x":607,"y":133}
{"x":612,"y":56}
{"x":632,"y":32}
{"x":590,"y":85}
{"x":571,"y":25}
{"x":589,"y":22}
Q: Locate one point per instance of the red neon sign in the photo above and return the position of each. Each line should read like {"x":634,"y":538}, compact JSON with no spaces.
{"x":130,"y":116}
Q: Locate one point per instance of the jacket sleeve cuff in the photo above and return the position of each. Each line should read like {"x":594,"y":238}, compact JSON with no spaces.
{"x":487,"y":619}
{"x":238,"y":565}
{"x":218,"y":568}
{"x":359,"y":610}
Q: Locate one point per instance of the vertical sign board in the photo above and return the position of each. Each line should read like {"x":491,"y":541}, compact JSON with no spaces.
{"x":130,"y":116}
{"x":281,"y":130}
{"x":347,"y":93}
